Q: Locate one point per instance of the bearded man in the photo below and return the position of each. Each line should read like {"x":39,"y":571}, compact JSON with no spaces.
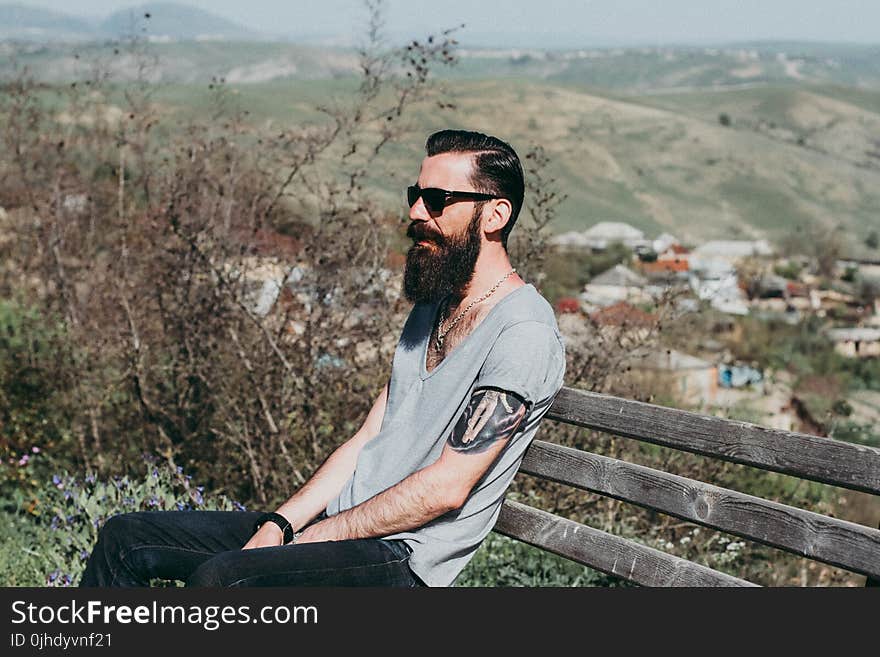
{"x":409,"y":498}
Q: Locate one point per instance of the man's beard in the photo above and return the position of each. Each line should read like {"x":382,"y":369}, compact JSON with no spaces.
{"x":444,"y":267}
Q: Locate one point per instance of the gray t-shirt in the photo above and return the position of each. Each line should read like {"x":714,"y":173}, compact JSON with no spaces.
{"x":517,"y":347}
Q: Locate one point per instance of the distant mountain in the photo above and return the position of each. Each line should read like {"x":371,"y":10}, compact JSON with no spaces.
{"x":192,"y":54}
{"x":32,"y":24}
{"x":161,"y":21}
{"x":168,"y":20}
{"x":682,"y":68}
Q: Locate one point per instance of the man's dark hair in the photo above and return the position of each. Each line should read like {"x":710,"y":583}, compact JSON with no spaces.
{"x":497,"y":169}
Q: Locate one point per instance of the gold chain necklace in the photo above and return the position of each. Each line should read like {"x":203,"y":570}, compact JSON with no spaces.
{"x":441,"y":333}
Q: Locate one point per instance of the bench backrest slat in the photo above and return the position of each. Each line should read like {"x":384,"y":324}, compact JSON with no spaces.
{"x":856,"y":467}
{"x":605,"y":552}
{"x":830,"y":540}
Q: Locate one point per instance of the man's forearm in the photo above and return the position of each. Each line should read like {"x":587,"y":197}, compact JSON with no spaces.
{"x":329,"y":479}
{"x":323,"y":486}
{"x":415,"y":501}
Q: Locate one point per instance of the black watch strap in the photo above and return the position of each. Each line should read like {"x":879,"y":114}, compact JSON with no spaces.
{"x":282,"y":522}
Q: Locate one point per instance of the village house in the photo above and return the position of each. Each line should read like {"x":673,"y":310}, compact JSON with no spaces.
{"x":570,"y":241}
{"x":620,"y":283}
{"x":732,"y":251}
{"x":599,"y":237}
{"x":665,"y":242}
{"x":800,"y":296}
{"x":868,"y":269}
{"x":624,"y":323}
{"x":858,"y":342}
{"x":693,"y":381}
{"x":839,"y":305}
{"x":715,"y":280}
{"x":568,"y":305}
{"x":605,"y":233}
{"x":664,"y":265}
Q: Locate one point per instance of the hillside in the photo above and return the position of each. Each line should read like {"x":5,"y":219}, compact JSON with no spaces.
{"x":661,"y":163}
{"x":36,"y":24}
{"x":170,"y":21}
{"x":184,"y":61}
{"x":777,"y":152}
{"x":668,"y":164}
{"x":161,"y":21}
{"x":188,"y":48}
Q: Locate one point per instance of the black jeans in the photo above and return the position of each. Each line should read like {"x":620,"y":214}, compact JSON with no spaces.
{"x":203,"y":548}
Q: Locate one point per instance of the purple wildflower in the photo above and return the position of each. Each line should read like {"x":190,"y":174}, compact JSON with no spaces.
{"x":35,"y":449}
{"x":24,"y":459}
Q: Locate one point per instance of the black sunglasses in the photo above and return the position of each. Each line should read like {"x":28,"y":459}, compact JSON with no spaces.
{"x":436,"y":199}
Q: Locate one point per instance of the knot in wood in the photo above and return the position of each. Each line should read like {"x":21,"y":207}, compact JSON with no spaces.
{"x":701,"y":507}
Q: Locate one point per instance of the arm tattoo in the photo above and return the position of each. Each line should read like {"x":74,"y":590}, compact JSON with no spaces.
{"x":490,"y":416}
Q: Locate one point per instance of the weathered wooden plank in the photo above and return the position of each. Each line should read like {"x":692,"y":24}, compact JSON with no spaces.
{"x":610,"y":554}
{"x":873,"y":581}
{"x":810,"y":457}
{"x":830,"y":540}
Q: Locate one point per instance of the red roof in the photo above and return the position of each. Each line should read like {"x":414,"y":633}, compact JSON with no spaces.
{"x":568,"y":305}
{"x":670,"y":264}
{"x":623,"y":314}
{"x":797,"y":289}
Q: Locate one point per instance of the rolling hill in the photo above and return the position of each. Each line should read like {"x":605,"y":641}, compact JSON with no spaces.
{"x":754,"y":140}
{"x":790,"y":160}
{"x":162,"y":21}
{"x":668,"y":164}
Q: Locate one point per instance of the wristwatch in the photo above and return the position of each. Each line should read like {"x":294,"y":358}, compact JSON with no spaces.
{"x":282,"y":522}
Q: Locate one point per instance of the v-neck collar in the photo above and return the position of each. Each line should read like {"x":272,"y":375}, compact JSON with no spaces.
{"x":425,"y":374}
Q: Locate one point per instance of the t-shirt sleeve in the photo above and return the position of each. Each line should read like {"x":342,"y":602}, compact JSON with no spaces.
{"x":527,"y":359}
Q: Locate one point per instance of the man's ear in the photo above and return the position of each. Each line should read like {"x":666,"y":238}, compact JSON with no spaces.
{"x":497,"y":215}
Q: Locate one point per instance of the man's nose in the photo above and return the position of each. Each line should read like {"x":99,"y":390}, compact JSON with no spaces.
{"x":418,"y":211}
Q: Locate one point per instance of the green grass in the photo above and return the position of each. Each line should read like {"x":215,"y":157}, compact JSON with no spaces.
{"x":505,"y":562}
{"x":767,"y":207}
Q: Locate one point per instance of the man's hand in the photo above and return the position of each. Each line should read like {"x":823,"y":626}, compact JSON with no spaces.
{"x":317,"y":533}
{"x":269,"y":535}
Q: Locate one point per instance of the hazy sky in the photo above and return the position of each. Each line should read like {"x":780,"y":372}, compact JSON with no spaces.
{"x":563,"y":22}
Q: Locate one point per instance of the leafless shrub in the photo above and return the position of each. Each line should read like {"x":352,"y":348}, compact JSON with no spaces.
{"x":226,"y":288}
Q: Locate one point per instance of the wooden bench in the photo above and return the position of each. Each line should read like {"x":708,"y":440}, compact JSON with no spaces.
{"x":819,"y":537}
